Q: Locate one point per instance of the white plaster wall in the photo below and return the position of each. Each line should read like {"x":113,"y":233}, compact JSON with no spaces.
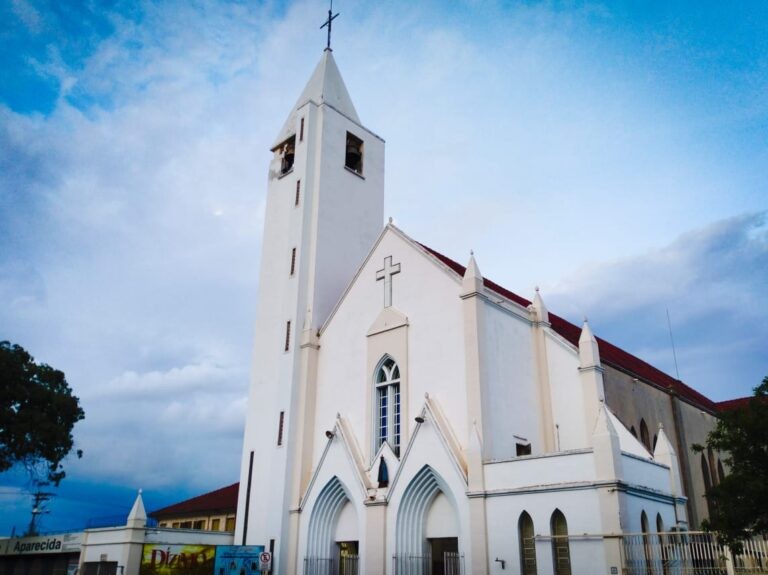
{"x":347,"y":528}
{"x":635,"y":505}
{"x":430,"y":298}
{"x":540,"y":470}
{"x":441,"y":519}
{"x":580,"y":510}
{"x":567,"y":395}
{"x":645,"y":472}
{"x":510,"y":396}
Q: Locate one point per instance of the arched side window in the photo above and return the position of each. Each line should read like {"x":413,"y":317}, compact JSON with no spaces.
{"x":527,"y":544}
{"x":561,"y":552}
{"x":644,"y":436}
{"x":387,"y":383}
{"x":632,"y":431}
{"x":720,"y":471}
{"x":707,"y":481}
{"x":646,"y":543}
{"x":665,"y":564}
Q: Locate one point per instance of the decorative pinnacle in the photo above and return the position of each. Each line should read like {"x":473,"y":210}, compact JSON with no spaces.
{"x":471,"y":252}
{"x":537,"y":288}
{"x":390,"y":219}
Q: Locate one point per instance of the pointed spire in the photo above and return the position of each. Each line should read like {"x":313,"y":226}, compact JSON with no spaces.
{"x":325,"y":86}
{"x":607,"y":446}
{"x":665,"y":453}
{"x":589,"y":354}
{"x":138,"y":516}
{"x":473,"y":279}
{"x":542,"y":314}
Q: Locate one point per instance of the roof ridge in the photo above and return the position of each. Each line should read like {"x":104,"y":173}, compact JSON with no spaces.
{"x":609,"y":353}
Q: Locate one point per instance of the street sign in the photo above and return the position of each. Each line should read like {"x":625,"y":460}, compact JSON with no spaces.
{"x":265,"y":561}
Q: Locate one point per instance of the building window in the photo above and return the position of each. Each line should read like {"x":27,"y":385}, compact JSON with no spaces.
{"x":644,"y":436}
{"x":287,"y":153}
{"x":280,"y":425}
{"x":522,"y":449}
{"x":230,"y":524}
{"x":176,"y":525}
{"x":293,"y":261}
{"x":527,"y":544}
{"x":388,"y":405}
{"x":633,"y":432}
{"x":561,"y":552}
{"x":186,"y":525}
{"x":287,"y":335}
{"x":199,"y":524}
{"x":301,"y":131}
{"x":354,"y":155}
{"x":216,"y":524}
{"x":707,"y":482}
{"x":298,"y":192}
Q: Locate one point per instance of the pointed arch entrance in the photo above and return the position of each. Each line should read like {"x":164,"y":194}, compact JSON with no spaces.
{"x":332,"y":540}
{"x":426,"y":531}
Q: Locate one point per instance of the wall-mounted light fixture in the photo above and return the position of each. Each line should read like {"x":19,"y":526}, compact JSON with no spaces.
{"x":329,"y":434}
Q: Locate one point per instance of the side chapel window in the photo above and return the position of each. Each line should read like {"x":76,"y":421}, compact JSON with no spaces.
{"x":388,"y":405}
{"x":561,"y":552}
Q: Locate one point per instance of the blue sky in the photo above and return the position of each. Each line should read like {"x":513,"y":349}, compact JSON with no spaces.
{"x":615,"y":154}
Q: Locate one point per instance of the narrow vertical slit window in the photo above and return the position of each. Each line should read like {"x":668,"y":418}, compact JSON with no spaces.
{"x":301,"y":131}
{"x":280,"y":425}
{"x":293,"y":261}
{"x":287,"y":335}
{"x":298,"y":192}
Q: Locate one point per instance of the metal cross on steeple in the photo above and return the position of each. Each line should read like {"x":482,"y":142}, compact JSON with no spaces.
{"x":331,"y":18}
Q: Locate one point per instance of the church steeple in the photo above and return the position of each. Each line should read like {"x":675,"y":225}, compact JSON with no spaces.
{"x":325,"y":86}
{"x":325,"y":210}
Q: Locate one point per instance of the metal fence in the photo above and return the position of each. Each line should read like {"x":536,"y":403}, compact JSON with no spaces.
{"x":346,"y":565}
{"x":452,"y":564}
{"x":690,"y":553}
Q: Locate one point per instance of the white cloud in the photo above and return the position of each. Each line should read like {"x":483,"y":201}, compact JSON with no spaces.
{"x":136,"y":206}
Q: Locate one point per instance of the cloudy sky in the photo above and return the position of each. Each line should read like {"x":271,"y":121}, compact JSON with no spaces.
{"x":614,"y":154}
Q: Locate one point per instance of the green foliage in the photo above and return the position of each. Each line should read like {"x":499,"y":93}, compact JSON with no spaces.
{"x":739,"y":503}
{"x":37,"y":414}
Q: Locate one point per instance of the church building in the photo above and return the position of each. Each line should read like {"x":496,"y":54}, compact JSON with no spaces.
{"x":409,"y":416}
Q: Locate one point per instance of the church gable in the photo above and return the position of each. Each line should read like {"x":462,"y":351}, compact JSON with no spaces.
{"x":404,"y":304}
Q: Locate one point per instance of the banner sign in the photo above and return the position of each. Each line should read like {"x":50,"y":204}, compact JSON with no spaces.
{"x":64,"y":543}
{"x":177,"y":559}
{"x":238,"y":559}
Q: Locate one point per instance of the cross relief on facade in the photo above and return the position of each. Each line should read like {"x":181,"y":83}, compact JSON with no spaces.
{"x":386,"y":274}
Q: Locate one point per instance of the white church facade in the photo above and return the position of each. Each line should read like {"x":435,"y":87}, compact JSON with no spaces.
{"x":407,"y":415}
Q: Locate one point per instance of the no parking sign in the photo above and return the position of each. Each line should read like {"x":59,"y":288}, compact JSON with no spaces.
{"x":265,"y":561}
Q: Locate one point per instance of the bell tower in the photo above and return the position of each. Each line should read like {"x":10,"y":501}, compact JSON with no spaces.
{"x":324,"y":211}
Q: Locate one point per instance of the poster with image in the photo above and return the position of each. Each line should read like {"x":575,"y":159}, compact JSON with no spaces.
{"x":237,"y":559}
{"x":160,"y":559}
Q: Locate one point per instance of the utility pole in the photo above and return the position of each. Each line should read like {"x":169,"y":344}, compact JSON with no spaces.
{"x":38,"y":508}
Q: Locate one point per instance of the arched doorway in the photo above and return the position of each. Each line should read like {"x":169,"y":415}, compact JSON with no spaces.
{"x":427,"y":528}
{"x":332,"y":537}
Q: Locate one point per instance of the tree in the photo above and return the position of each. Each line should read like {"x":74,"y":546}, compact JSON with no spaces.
{"x":739,"y":503}
{"x":37,"y":414}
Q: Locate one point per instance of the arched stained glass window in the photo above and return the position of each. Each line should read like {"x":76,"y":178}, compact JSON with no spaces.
{"x":561,"y":552}
{"x":387,"y":381}
{"x":527,"y":544}
{"x":644,"y":436}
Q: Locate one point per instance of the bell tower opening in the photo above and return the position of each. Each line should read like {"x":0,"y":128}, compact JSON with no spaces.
{"x":354,"y":156}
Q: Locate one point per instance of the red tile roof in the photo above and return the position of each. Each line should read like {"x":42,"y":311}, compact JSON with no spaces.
{"x":609,"y":353}
{"x":738,"y":403}
{"x":221,"y":500}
